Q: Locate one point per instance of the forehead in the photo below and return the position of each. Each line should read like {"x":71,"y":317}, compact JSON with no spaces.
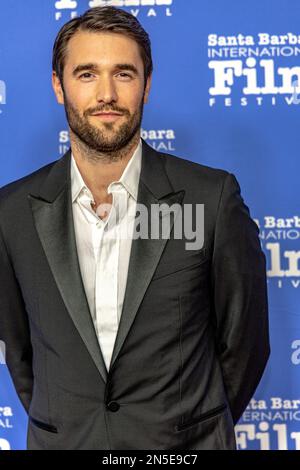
{"x":102,"y":47}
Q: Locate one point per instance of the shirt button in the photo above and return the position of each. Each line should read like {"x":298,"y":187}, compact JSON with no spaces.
{"x":113,"y":406}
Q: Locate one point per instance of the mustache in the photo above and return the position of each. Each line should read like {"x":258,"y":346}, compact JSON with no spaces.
{"x":108,"y":110}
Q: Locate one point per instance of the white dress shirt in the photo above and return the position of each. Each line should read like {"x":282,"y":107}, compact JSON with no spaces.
{"x":103,"y":250}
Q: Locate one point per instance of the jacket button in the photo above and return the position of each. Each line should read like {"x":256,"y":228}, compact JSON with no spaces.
{"x":113,"y":406}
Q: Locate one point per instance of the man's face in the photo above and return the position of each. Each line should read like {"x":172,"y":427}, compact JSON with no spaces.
{"x":103,"y":73}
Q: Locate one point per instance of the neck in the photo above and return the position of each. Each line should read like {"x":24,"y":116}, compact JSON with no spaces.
{"x":97,"y":169}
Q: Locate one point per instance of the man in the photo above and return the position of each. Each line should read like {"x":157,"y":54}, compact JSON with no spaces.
{"x":126,"y":342}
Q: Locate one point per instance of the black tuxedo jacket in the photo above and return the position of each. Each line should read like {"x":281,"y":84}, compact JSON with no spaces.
{"x":193,"y":338}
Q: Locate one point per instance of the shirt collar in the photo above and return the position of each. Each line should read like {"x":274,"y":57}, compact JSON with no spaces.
{"x":129,"y":179}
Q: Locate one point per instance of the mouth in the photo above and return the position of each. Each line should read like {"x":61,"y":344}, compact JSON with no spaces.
{"x":107,"y":116}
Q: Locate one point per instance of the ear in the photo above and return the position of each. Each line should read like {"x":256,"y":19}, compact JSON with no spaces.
{"x":147,"y":89}
{"x":57,"y":88}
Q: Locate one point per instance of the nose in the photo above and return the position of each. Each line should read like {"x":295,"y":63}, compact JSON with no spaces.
{"x":106,"y":90}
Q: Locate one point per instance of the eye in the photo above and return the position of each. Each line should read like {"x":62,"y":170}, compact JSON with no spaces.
{"x":85,"y":75}
{"x":124,"y":75}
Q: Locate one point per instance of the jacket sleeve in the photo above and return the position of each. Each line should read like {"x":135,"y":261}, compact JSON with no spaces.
{"x":14,"y":329}
{"x":240,"y":298}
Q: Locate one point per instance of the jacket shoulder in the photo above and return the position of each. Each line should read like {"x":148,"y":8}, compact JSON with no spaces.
{"x":186,"y":171}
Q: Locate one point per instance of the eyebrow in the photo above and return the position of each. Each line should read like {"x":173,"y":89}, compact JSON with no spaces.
{"x":94,"y":67}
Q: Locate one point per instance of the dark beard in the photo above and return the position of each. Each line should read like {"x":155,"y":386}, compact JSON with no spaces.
{"x":94,"y":139}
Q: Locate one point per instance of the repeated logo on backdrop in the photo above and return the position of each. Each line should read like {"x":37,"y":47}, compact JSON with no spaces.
{"x":4,"y":444}
{"x":254,"y":69}
{"x":6,"y":424}
{"x":295,"y":356}
{"x":266,"y":425}
{"x":280,"y":239}
{"x":162,"y":140}
{"x":151,"y":8}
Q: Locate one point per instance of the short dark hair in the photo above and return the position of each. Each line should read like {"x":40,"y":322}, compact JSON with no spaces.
{"x":99,"y":19}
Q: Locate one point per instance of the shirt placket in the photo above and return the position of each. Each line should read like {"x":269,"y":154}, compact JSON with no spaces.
{"x":106,"y":286}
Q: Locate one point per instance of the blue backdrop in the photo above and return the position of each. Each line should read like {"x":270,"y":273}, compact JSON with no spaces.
{"x":224,"y":93}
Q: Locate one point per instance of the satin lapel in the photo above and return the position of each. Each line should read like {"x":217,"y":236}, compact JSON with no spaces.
{"x":53,"y":217}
